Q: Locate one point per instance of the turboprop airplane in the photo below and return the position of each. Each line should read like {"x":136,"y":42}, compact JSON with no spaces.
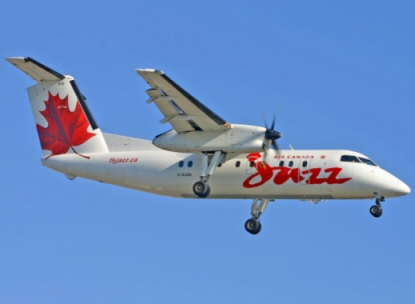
{"x":202,"y":156}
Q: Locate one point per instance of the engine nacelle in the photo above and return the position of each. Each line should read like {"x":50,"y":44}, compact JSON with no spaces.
{"x":238,"y":139}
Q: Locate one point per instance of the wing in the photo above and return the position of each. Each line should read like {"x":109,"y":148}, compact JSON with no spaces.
{"x":184,"y":112}
{"x":35,"y":69}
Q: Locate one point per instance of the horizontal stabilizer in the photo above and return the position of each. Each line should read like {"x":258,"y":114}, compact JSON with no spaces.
{"x":34,"y":69}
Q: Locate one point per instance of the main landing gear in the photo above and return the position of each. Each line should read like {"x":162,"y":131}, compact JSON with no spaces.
{"x":253,"y":226}
{"x":201,"y":188}
{"x":376,"y":210}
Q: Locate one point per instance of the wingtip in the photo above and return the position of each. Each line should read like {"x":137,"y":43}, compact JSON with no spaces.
{"x":13,"y":59}
{"x":150,"y":71}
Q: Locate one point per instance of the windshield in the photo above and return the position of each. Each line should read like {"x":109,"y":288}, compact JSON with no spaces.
{"x":349,"y":158}
{"x":367,"y":161}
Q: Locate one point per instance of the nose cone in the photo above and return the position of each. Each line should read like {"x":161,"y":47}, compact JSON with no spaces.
{"x":393,"y":186}
{"x":402,"y":188}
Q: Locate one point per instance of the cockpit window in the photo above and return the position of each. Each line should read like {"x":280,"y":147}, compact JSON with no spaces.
{"x":349,"y":158}
{"x":367,"y":161}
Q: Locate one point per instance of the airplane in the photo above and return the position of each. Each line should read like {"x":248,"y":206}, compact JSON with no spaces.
{"x":203,"y":156}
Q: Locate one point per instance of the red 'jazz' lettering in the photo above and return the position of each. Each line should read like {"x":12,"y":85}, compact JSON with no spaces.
{"x":332,"y":179}
{"x":266,"y":173}
{"x":284,"y":174}
{"x":314,"y":179}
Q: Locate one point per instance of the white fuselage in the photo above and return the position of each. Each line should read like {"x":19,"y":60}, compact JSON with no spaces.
{"x":304,"y":174}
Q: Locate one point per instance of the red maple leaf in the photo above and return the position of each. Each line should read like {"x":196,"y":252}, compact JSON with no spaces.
{"x":65,"y":129}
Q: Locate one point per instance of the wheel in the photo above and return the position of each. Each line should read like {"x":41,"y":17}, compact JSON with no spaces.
{"x":376,"y":211}
{"x":381,"y":212}
{"x":201,"y":189}
{"x":208,"y":190}
{"x":253,"y":226}
{"x":259,"y":228}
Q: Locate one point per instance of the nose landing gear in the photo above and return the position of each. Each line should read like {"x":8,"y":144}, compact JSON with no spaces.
{"x":253,"y":226}
{"x":376,"y":210}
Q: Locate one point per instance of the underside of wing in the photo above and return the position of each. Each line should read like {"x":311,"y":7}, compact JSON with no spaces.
{"x":184,"y":112}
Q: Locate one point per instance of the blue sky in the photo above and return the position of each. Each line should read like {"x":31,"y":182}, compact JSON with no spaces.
{"x":337,"y":74}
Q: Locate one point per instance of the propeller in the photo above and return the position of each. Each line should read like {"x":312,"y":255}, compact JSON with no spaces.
{"x":270,"y":139}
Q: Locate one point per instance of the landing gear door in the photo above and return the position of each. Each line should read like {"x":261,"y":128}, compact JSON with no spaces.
{"x":304,"y":168}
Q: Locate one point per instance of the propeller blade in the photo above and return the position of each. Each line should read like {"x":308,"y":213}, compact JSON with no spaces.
{"x":266,"y":149}
{"x":264,"y":160}
{"x":270,"y":139}
{"x":273,"y":123}
{"x":274,"y":144}
{"x":265,"y":123}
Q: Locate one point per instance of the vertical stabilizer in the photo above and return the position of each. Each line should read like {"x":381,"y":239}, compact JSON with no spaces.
{"x":63,"y":120}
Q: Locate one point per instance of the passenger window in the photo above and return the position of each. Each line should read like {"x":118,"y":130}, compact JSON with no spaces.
{"x":238,"y":164}
{"x":291,"y":163}
{"x":349,"y":158}
{"x":282,"y":163}
{"x":190,"y":164}
{"x":181,"y":163}
{"x":304,"y":164}
{"x":252,"y":164}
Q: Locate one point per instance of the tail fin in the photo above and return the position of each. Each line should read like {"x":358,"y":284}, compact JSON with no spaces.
{"x":63,"y":119}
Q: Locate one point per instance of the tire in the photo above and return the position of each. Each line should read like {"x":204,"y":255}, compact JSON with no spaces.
{"x":207,"y":191}
{"x":201,"y":189}
{"x":253,"y":226}
{"x":380,"y":213}
{"x":258,"y":230}
{"x":376,"y":211}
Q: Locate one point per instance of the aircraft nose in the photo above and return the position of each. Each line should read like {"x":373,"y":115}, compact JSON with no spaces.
{"x":393,"y":186}
{"x":402,"y":188}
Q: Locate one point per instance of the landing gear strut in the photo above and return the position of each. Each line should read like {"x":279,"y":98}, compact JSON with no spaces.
{"x":201,"y":188}
{"x":376,"y":210}
{"x":253,"y":226}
